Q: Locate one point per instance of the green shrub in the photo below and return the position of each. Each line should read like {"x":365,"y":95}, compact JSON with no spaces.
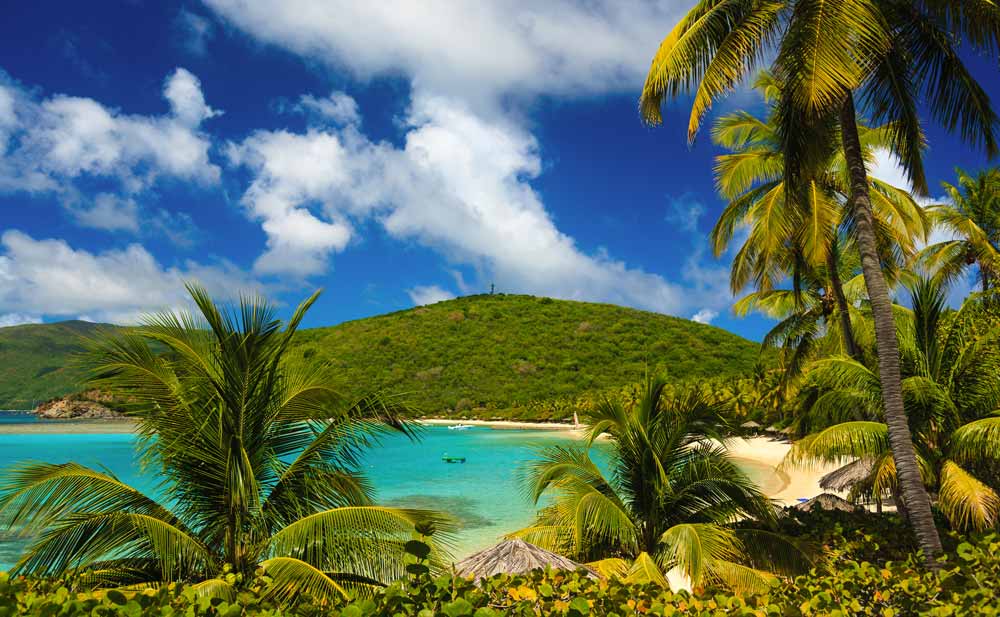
{"x":968,"y":584}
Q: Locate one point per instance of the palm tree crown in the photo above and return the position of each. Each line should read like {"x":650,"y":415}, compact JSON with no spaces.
{"x":258,"y":463}
{"x":972,"y":218}
{"x":671,"y":491}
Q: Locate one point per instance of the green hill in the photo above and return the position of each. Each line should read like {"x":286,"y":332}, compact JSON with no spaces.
{"x":35,"y":362}
{"x":497,"y":352}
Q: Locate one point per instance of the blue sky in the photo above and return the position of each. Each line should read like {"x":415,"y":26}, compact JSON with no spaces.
{"x":391,"y":155}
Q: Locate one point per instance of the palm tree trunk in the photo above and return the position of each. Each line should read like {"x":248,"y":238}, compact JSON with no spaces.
{"x":843,"y":308}
{"x":915,"y":497}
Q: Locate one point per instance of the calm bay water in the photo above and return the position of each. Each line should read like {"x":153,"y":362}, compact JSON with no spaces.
{"x":484,"y":493}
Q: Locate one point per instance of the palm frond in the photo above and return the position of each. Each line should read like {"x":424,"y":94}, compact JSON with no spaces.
{"x":645,"y":570}
{"x":291,"y":578}
{"x":968,"y":503}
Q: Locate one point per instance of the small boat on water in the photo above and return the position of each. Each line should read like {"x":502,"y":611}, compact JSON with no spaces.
{"x":452,"y":459}
{"x":459,"y":427}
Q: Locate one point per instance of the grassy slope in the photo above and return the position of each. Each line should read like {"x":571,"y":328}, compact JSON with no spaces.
{"x":35,"y":362}
{"x":498,"y":350}
{"x":508,"y":350}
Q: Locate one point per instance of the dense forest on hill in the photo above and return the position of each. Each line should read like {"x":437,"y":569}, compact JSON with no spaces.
{"x":491,"y":352}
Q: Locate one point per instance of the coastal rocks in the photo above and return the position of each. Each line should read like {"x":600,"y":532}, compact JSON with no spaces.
{"x":89,"y":405}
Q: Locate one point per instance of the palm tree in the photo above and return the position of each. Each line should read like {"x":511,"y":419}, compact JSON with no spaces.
{"x":258,"y":460}
{"x":790,"y":232}
{"x":973,"y":219}
{"x":671,"y":491}
{"x":891,"y":54}
{"x":807,"y":327}
{"x":952,"y":391}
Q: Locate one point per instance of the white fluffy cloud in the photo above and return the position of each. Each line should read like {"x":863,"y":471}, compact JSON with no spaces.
{"x":49,"y":277}
{"x":460,"y":184}
{"x":429,"y":294}
{"x":50,"y":145}
{"x":17,"y":319}
{"x":704,"y":316}
{"x":473,"y":50}
{"x":338,"y":108}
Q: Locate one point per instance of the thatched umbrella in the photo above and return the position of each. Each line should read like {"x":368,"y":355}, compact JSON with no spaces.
{"x":513,"y":557}
{"x":751,"y":425}
{"x":844,"y":478}
{"x":827,"y":501}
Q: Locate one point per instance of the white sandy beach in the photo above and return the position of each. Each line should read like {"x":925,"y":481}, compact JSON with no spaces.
{"x":802,"y":482}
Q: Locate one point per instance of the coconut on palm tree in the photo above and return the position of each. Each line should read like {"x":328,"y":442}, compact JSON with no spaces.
{"x":951,"y":385}
{"x":890,"y":55}
{"x":972,"y":219}
{"x":257,"y":460}
{"x":668,"y":500}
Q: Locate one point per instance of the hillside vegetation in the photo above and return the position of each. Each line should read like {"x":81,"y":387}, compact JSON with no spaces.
{"x":481,"y":356}
{"x":36,"y":362}
{"x":501,"y":351}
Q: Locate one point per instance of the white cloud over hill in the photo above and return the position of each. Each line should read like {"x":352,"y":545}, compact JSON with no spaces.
{"x":52,"y":278}
{"x":50,"y":145}
{"x":476,"y":51}
{"x":460,"y":184}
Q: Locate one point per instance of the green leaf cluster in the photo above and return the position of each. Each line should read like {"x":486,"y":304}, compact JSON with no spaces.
{"x":969,"y":584}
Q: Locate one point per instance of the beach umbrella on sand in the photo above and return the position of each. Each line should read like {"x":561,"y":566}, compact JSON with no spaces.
{"x":751,"y":425}
{"x":844,"y":478}
{"x":514,"y":556}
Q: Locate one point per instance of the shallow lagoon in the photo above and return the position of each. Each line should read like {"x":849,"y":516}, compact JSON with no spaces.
{"x":484,"y":493}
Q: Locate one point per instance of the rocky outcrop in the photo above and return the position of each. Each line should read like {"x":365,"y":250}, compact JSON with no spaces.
{"x":89,"y":405}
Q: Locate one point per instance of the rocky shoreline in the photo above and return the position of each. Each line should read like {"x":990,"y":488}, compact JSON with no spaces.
{"x":89,"y":405}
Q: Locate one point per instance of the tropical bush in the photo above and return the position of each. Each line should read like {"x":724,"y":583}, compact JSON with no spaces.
{"x":969,"y":584}
{"x":667,"y":501}
{"x":258,"y":463}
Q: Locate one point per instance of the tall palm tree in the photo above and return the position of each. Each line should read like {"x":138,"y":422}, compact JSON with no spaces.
{"x":890,"y":53}
{"x":671,"y":492}
{"x":258,"y":461}
{"x":951,"y":365}
{"x":973,"y":219}
{"x":791,"y":231}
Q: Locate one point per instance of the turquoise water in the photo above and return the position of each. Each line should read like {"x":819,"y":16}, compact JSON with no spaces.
{"x":484,"y":493}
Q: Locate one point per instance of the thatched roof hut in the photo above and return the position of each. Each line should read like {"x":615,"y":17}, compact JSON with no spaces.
{"x":827,"y":501}
{"x":844,"y":478}
{"x":513,"y":557}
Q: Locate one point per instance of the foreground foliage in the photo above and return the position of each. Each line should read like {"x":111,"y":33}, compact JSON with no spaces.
{"x":854,"y":582}
{"x":258,"y":465}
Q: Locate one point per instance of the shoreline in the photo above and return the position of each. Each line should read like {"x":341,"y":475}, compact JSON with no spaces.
{"x":798,"y":483}
{"x":501,"y":424}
